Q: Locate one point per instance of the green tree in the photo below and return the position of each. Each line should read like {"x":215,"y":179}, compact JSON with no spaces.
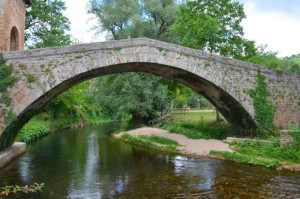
{"x":142,"y":96}
{"x":46,"y":26}
{"x":269,"y":59}
{"x":134,"y":18}
{"x":213,"y":26}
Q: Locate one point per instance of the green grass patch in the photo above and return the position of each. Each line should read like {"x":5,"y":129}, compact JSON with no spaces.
{"x":33,"y":130}
{"x":200,"y":130}
{"x":159,"y":140}
{"x":258,"y":153}
{"x":147,"y":141}
{"x":287,"y":154}
{"x":195,"y":116}
{"x":242,"y":158}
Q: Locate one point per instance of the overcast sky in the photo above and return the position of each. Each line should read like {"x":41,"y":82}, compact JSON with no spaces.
{"x":272,"y":22}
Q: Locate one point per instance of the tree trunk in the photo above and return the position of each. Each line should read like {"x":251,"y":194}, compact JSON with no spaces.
{"x":218,"y":118}
{"x":136,"y":118}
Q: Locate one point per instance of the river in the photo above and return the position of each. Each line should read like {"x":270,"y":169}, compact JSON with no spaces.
{"x":88,"y":163}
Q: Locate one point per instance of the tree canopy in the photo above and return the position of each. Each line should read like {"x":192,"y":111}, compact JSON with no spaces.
{"x":140,"y":95}
{"x":45,"y":25}
{"x":213,"y":26}
{"x":134,"y":18}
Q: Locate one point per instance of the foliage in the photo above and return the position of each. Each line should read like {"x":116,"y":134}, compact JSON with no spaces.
{"x":145,"y":142}
{"x":5,"y":99}
{"x":141,"y":96}
{"x":33,"y":130}
{"x":264,"y":109}
{"x":134,"y":18}
{"x":237,"y":157}
{"x":46,"y":25}
{"x":6,"y":75}
{"x":8,"y":190}
{"x":264,"y":154}
{"x":182,"y":96}
{"x":10,"y":116}
{"x":75,"y":106}
{"x":200,"y":130}
{"x":213,"y":26}
{"x":269,"y":59}
{"x":288,"y":154}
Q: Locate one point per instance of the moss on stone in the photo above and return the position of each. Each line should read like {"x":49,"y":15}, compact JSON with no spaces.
{"x":5,"y":99}
{"x":30,"y":77}
{"x":22,"y":66}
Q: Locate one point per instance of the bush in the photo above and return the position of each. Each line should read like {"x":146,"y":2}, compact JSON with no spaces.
{"x":33,"y":130}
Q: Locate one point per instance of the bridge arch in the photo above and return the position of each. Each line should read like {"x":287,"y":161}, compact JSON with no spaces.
{"x":224,"y":82}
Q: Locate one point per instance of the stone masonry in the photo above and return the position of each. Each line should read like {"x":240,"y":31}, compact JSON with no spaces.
{"x":12,"y":22}
{"x":224,"y":82}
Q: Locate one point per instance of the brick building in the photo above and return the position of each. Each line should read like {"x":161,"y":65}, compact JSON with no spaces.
{"x":12,"y":24}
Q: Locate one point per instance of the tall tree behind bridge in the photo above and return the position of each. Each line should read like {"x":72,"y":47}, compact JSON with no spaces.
{"x":214,"y":26}
{"x":46,"y":26}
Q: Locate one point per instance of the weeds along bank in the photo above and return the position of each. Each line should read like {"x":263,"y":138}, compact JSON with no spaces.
{"x":40,"y":126}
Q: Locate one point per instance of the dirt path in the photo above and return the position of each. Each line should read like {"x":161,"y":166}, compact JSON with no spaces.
{"x":197,"y":147}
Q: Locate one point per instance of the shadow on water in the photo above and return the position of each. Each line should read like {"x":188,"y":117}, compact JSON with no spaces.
{"x":89,"y":163}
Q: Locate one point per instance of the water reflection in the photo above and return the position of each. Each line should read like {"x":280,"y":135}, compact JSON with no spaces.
{"x":88,"y":163}
{"x":24,"y":169}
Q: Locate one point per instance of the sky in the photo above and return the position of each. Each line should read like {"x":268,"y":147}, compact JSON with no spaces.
{"x":275,"y":23}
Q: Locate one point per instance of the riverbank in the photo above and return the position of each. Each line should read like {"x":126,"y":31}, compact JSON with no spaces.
{"x":37,"y":128}
{"x":6,"y":156}
{"x":202,"y":147}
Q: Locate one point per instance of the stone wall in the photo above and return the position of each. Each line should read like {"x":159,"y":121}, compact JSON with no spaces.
{"x":12,"y":14}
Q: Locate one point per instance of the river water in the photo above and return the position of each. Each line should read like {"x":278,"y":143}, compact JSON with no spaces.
{"x":89,"y":163}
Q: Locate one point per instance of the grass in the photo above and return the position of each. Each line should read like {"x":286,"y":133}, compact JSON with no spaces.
{"x":200,"y":130}
{"x":196,"y":116}
{"x":237,"y":157}
{"x":159,"y":140}
{"x":264,"y":154}
{"x":154,"y":142}
{"x":287,"y":154}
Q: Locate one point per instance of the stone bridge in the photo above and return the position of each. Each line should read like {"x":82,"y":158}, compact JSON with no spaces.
{"x":44,"y":73}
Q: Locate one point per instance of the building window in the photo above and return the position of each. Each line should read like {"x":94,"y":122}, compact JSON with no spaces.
{"x":14,"y":39}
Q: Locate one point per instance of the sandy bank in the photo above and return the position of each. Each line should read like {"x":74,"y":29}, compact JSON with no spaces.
{"x":195,"y":147}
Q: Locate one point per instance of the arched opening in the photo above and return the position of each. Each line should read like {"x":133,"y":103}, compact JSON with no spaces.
{"x":14,"y":39}
{"x":228,"y":106}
